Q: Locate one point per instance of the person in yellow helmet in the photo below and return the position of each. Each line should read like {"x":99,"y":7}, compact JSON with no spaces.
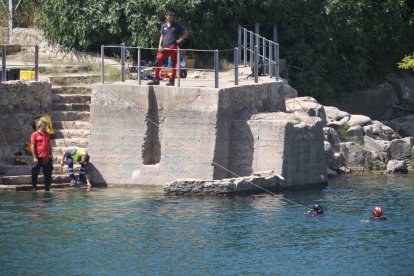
{"x":73,"y":155}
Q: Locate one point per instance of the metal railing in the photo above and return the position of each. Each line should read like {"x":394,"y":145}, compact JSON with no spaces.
{"x":123,"y":49}
{"x":4,"y":66}
{"x":259,"y":48}
{"x":255,"y":47}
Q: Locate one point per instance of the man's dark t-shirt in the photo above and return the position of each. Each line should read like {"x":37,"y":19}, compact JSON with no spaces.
{"x":171,"y":34}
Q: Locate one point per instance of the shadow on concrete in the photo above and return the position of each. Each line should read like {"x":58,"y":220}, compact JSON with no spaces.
{"x":151,"y":149}
{"x":234,"y":150}
{"x":97,"y":180}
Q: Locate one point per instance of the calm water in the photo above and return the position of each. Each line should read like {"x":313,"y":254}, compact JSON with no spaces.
{"x":136,"y":232}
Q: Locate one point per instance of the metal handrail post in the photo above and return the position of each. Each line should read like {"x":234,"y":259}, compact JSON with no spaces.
{"x":179,"y":68}
{"x":277,"y":61}
{"x":256,"y":63}
{"x":102,"y":64}
{"x":271,"y":60}
{"x":139,"y":65}
{"x":238,"y":44}
{"x":251,"y":48}
{"x":257,"y":31}
{"x":123,"y":62}
{"x":36,"y":63}
{"x":236,"y":66}
{"x":264,"y":55}
{"x":3,"y":65}
{"x":245,"y":47}
{"x":216,"y":69}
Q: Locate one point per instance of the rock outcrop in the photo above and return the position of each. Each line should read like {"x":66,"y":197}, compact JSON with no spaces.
{"x":257,"y":183}
{"x":358,"y":142}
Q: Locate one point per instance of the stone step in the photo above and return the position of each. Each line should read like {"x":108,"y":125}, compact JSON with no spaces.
{"x":28,"y":187}
{"x":75,"y":79}
{"x":71,"y":125}
{"x":70,"y":107}
{"x":13,"y":170}
{"x":70,"y":142}
{"x":71,"y":116}
{"x":71,"y":133}
{"x":71,"y":98}
{"x":84,"y":90}
{"x":27,"y":179}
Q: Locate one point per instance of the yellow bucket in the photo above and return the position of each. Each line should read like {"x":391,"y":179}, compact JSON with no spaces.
{"x":27,"y":75}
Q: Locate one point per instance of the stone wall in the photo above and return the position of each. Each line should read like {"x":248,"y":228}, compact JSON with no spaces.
{"x":153,"y":135}
{"x":20,"y":103}
{"x":49,"y":50}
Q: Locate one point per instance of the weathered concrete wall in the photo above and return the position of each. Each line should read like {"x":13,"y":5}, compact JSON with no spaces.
{"x":128,"y":147}
{"x":20,"y":103}
{"x":290,"y":145}
{"x":374,"y":103}
{"x":153,"y":135}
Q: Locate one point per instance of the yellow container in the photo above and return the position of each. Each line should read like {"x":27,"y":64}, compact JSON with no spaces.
{"x":27,"y":75}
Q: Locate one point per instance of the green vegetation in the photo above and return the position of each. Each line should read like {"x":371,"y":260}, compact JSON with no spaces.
{"x":342,"y":132}
{"x":332,"y":47}
{"x":407,"y":63}
{"x":296,"y":120}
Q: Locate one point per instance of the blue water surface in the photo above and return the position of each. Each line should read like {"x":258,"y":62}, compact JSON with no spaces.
{"x":120,"y":231}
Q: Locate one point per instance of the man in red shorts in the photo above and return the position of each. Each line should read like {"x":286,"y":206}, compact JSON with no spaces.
{"x":41,"y":150}
{"x":172,"y":35}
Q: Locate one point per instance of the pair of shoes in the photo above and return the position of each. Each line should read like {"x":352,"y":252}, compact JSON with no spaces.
{"x":155,"y":81}
{"x":171,"y":82}
{"x":34,"y":188}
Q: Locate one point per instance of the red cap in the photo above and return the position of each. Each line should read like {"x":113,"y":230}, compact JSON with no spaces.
{"x":377,"y":212}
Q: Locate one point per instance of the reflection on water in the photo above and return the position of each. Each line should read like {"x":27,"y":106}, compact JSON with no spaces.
{"x":131,"y":231}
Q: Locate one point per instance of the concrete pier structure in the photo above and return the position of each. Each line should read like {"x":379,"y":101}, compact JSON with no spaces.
{"x":152,"y":135}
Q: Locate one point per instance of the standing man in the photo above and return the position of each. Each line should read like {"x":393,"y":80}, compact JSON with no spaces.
{"x":41,"y":151}
{"x":79,"y":155}
{"x":172,"y":35}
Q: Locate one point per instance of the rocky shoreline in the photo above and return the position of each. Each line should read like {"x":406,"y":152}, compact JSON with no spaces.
{"x":356,"y":142}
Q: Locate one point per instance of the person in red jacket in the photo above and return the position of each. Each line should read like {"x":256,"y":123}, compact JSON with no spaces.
{"x":41,"y":151}
{"x":172,"y":35}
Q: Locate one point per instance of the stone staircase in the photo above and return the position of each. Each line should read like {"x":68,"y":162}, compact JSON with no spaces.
{"x":71,"y":122}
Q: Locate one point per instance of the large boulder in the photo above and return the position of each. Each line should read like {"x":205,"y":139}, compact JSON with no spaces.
{"x":359,"y":120}
{"x":335,"y":114}
{"x":335,"y":160}
{"x":379,"y":131}
{"x":400,"y":148}
{"x":356,"y":134}
{"x":306,"y":106}
{"x":396,"y":166}
{"x":257,"y":183}
{"x":404,"y":126}
{"x":331,"y":136}
{"x":403,"y":83}
{"x":378,"y":146}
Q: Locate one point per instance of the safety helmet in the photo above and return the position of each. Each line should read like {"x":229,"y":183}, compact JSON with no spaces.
{"x":377,"y":212}
{"x":318,"y":209}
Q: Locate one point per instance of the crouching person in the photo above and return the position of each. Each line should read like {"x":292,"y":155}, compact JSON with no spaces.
{"x":73,"y":155}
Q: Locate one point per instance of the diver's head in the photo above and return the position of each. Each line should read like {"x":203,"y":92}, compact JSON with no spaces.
{"x":377,"y":212}
{"x":318,"y":209}
{"x":84,"y":159}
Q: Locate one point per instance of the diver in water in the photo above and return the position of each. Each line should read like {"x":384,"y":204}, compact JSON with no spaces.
{"x":316,"y":211}
{"x":377,"y":214}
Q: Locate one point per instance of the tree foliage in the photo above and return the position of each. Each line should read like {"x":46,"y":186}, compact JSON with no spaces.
{"x":407,"y":63}
{"x":331,"y":46}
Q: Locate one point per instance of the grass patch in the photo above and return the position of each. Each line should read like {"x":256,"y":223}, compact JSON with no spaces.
{"x":342,"y":132}
{"x":296,"y":120}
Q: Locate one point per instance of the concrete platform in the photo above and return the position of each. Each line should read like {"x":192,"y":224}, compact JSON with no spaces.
{"x":152,"y":135}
